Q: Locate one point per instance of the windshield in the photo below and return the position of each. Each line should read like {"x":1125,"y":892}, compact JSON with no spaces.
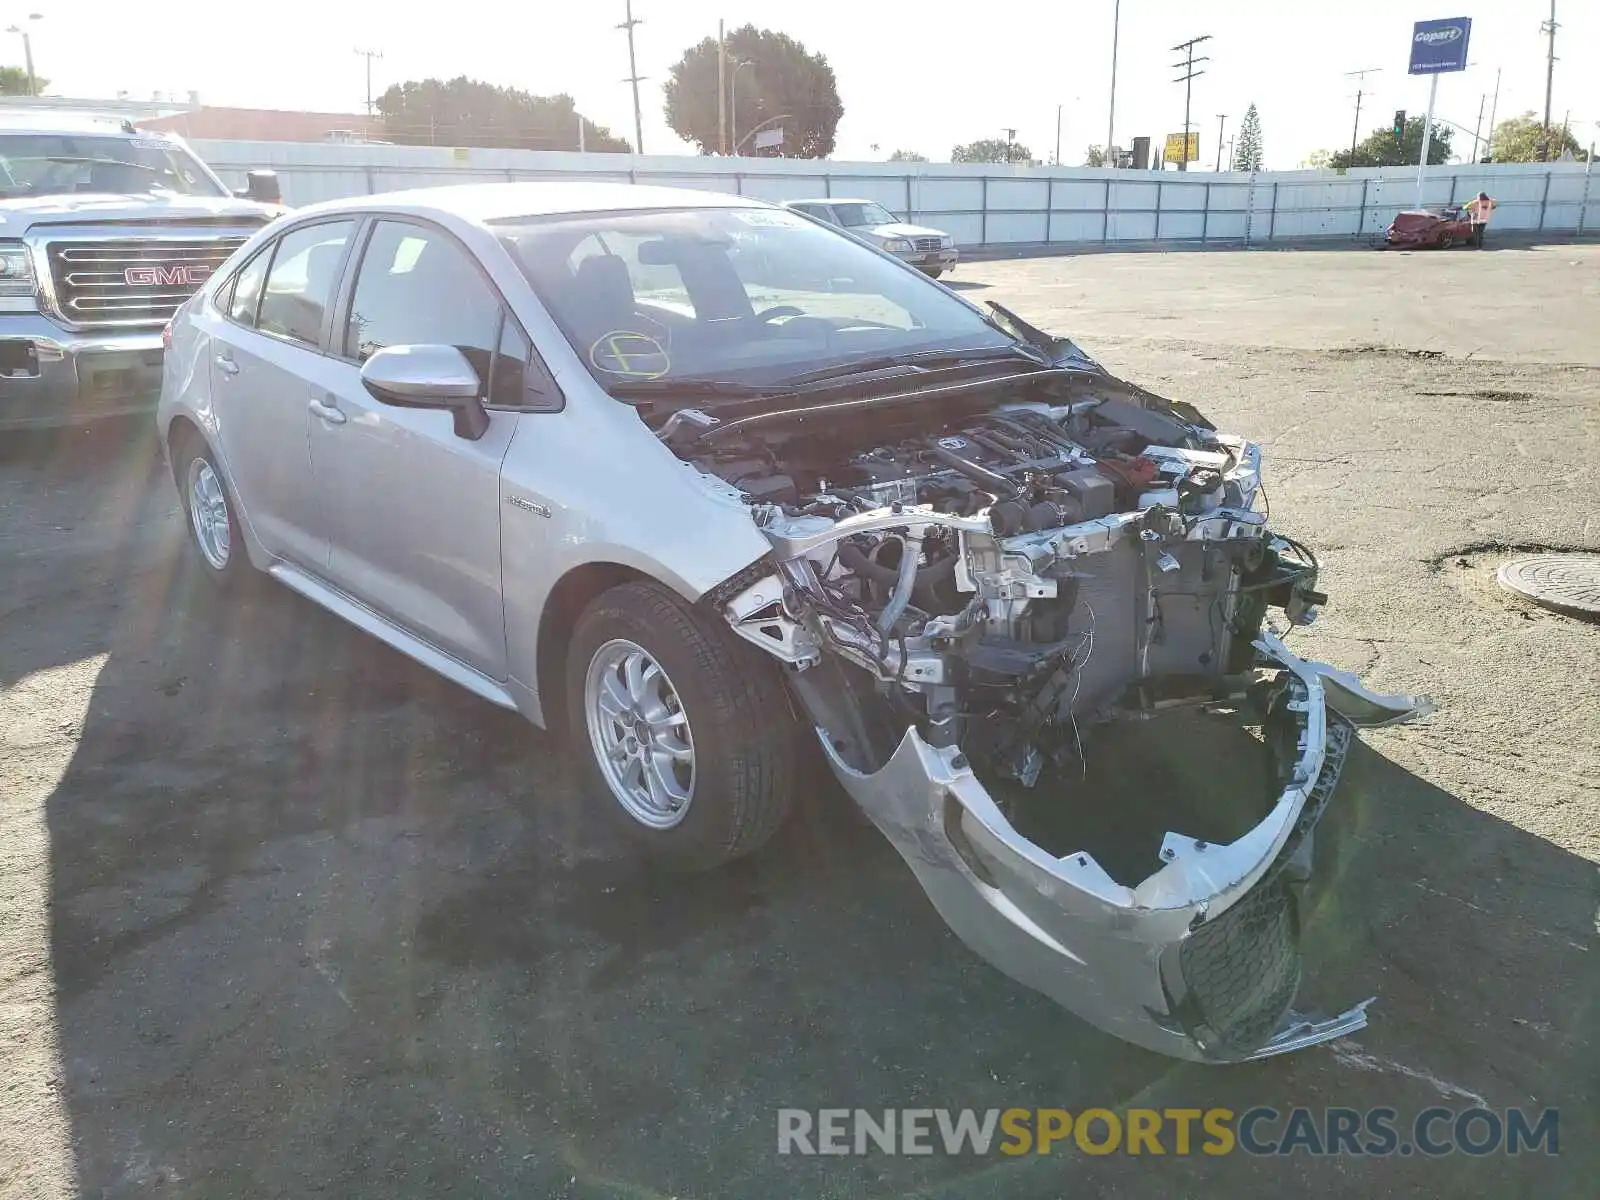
{"x":747,"y":295}
{"x":857,"y":214}
{"x":56,"y":164}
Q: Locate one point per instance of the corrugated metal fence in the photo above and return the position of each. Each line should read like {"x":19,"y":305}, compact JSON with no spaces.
{"x":981,"y":204}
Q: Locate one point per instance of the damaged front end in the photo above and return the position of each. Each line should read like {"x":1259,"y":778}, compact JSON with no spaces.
{"x":969,"y":584}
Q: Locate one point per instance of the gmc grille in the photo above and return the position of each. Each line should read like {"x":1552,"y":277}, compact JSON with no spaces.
{"x":136,"y":281}
{"x":925,"y":244}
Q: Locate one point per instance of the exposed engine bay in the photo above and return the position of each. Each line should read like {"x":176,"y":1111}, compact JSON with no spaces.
{"x":1007,"y":576}
{"x":964,"y":584}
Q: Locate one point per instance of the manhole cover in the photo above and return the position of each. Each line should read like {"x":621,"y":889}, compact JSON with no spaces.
{"x":1568,"y":582}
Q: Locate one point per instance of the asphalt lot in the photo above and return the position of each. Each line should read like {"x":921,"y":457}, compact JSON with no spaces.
{"x":281,"y":914}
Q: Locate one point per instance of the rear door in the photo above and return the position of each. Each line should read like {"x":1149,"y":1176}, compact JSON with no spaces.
{"x":414,"y":509}
{"x":266,"y":362}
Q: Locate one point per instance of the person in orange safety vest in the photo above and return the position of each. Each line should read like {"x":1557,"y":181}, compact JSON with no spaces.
{"x":1479,"y":211}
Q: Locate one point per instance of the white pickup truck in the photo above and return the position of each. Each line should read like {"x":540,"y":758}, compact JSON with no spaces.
{"x":105,"y":230}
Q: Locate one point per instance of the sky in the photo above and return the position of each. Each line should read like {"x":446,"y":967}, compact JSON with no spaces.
{"x":911,"y":76}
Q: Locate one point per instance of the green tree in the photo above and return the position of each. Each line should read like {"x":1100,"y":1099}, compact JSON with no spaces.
{"x":992,"y":150}
{"x":1319,"y":160}
{"x":907,"y":156}
{"x":14,"y":82}
{"x":1520,"y":139}
{"x":1094,"y":156}
{"x":784,"y":84}
{"x":1247,"y":146}
{"x":1380,"y":149}
{"x":465,"y":112}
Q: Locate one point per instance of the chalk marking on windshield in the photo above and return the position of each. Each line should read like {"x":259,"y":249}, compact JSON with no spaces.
{"x":629,"y":354}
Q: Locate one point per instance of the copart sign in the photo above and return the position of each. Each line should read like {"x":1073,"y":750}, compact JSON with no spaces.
{"x":1440,"y":45}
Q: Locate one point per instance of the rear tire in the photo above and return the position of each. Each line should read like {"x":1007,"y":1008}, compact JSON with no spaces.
{"x":216,"y":544}
{"x":683,"y":733}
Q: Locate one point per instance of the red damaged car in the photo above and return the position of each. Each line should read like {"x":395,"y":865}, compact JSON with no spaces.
{"x":1423,"y":227}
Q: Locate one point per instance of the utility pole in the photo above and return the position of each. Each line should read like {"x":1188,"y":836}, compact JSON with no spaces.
{"x":1111,"y":116}
{"x":633,"y":78}
{"x":1355,"y":130}
{"x":1221,"y":118}
{"x":1478,"y":128}
{"x":1494,"y":107}
{"x":1058,"y":136}
{"x":369,"y":55}
{"x":1187,"y":79}
{"x":722,"y":88}
{"x":733,"y":100}
{"x":1011,"y":137}
{"x":1549,"y":27}
{"x":27,"y":51}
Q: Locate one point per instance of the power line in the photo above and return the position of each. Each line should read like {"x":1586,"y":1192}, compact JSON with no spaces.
{"x":634,"y":78}
{"x":1187,"y":79}
{"x":1355,"y":130}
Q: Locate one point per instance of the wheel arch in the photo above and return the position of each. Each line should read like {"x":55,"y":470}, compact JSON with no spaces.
{"x":179,"y":430}
{"x":572,"y":593}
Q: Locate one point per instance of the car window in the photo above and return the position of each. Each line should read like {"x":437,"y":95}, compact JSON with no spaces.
{"x":417,"y":287}
{"x":56,"y":164}
{"x":757,"y":295}
{"x":855,"y":216}
{"x":301,"y":281}
{"x":507,"y":383}
{"x":653,"y":283}
{"x":245,"y":291}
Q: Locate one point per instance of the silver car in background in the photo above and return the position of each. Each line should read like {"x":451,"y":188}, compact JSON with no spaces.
{"x":707,"y":485}
{"x":931,"y":250}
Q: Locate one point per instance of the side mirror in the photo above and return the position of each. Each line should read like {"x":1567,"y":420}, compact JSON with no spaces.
{"x":261,"y":186}
{"x":429,"y":377}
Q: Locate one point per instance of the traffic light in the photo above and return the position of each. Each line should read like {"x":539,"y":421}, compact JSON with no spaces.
{"x":1399,"y":124}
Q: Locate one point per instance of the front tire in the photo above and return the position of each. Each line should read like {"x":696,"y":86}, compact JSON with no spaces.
{"x":933,"y":272}
{"x":684,"y":734}
{"x":215,"y":541}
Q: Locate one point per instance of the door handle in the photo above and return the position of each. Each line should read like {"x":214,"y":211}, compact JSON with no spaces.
{"x":226,"y":365}
{"x":327,"y":412}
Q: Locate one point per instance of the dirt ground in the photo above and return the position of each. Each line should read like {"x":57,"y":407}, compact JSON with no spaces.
{"x":281,"y":914}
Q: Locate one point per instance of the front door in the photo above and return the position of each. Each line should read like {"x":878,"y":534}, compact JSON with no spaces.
{"x":266,"y":361}
{"x":414,"y":509}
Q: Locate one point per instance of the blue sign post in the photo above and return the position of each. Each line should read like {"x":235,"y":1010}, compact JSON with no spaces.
{"x":1436,"y":47}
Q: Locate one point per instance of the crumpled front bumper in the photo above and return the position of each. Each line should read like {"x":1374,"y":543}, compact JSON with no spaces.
{"x":1200,"y":960}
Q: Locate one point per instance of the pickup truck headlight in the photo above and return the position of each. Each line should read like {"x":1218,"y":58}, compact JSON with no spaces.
{"x":17,"y":289}
{"x":946,"y":241}
{"x":897,"y":245}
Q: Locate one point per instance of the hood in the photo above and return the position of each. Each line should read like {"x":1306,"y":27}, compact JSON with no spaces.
{"x":902,"y":230}
{"x":18,"y":214}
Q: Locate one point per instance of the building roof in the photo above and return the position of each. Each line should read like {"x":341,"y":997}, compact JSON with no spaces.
{"x":265,"y":124}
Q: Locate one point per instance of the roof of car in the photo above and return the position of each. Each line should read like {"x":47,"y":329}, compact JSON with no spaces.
{"x":23,"y":120}
{"x":832,"y":200}
{"x":485,"y":202}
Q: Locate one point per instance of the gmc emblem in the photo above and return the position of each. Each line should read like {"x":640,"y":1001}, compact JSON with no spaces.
{"x":165,"y":275}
